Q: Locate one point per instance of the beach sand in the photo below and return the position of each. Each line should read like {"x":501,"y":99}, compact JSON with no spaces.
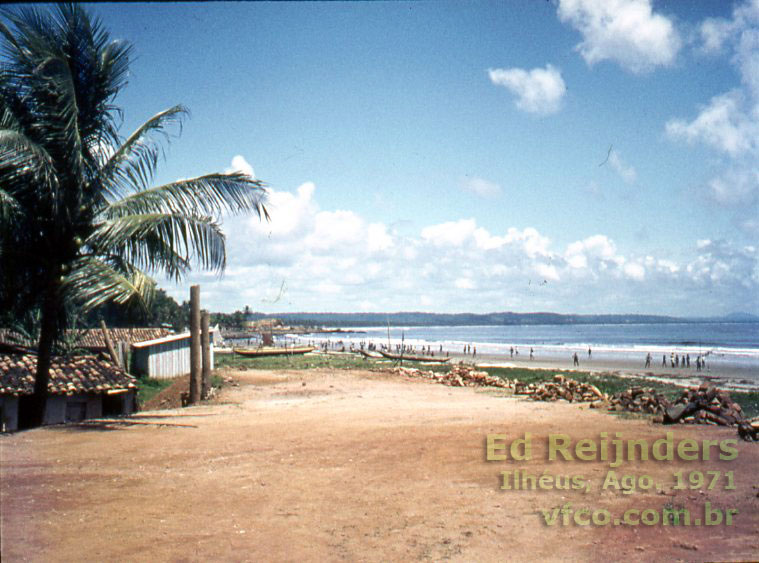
{"x":726,"y":376}
{"x":331,"y":465}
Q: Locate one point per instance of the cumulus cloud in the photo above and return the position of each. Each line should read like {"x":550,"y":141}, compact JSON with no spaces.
{"x":309,"y":258}
{"x":539,"y":90}
{"x":724,"y":124}
{"x":481,"y":187}
{"x":239,"y":164}
{"x":741,"y":34}
{"x":729,"y":123}
{"x":625,"y":31}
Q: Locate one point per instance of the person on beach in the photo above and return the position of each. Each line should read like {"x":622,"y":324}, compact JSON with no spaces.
{"x":687,"y":360}
{"x":576,"y":360}
{"x":648,"y":360}
{"x":664,"y":360}
{"x":511,"y":351}
{"x":474,"y":351}
{"x":532,"y":355}
{"x":589,"y":353}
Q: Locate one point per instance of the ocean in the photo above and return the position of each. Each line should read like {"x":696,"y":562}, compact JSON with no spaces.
{"x":734,"y":345}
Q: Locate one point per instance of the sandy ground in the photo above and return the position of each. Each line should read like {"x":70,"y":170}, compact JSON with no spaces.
{"x":354,"y":466}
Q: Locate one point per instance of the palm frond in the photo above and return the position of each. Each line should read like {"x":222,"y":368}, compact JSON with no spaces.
{"x":93,"y":282}
{"x":211,"y":194}
{"x":132,"y":165}
{"x":9,"y":207}
{"x":194,"y":238}
{"x":22,"y":160}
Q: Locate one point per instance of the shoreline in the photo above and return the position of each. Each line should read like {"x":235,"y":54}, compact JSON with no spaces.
{"x":728,"y":377}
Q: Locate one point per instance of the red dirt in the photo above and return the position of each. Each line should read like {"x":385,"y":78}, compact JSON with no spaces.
{"x":325,"y":465}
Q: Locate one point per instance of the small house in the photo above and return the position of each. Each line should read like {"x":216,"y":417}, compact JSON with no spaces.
{"x":79,"y":388}
{"x":167,"y":357}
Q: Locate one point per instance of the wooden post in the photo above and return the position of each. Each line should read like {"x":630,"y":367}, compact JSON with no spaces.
{"x":109,"y":344}
{"x":195,"y":359}
{"x":205,"y":343}
{"x":124,"y":348}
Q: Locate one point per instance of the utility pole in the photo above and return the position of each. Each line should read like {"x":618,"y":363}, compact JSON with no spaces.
{"x":205,"y":340}
{"x":195,"y":354}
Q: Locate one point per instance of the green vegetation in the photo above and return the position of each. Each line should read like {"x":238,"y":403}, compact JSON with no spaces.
{"x":302,"y":361}
{"x":149,"y":388}
{"x":81,"y":224}
{"x":749,"y":402}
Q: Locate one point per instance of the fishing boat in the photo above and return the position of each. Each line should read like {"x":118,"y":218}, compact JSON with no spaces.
{"x":373,"y":355}
{"x":414,"y":358}
{"x":271,"y":351}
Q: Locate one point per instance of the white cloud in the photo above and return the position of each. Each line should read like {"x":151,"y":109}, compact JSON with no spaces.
{"x":481,"y":187}
{"x":239,"y":164}
{"x":737,"y":187}
{"x":313,"y":259}
{"x":723,"y":124}
{"x":539,"y":90}
{"x":463,"y":283}
{"x":626,"y":171}
{"x":729,"y":123}
{"x":625,"y":31}
{"x":635,"y":271}
{"x":741,"y":33}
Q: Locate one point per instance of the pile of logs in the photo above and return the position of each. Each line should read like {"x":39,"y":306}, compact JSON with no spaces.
{"x":459,"y":376}
{"x":639,"y":400}
{"x":702,"y":405}
{"x":560,"y":388}
{"x":709,"y":405}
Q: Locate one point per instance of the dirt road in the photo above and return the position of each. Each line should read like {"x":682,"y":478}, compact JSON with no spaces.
{"x":342,"y":465}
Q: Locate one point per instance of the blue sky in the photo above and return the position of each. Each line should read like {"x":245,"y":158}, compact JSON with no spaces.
{"x":445,"y":156}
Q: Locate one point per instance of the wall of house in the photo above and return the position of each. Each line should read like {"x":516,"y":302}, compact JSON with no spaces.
{"x":166,"y":360}
{"x":8,"y":413}
{"x":58,"y":405}
{"x":91,"y":406}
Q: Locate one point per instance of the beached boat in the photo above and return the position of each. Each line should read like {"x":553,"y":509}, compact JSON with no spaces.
{"x":271,"y":351}
{"x":414,"y":358}
{"x":374,"y":355}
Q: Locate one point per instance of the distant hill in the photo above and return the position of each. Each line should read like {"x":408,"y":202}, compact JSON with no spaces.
{"x":741,"y":318}
{"x":487,"y":319}
{"x":458,"y":319}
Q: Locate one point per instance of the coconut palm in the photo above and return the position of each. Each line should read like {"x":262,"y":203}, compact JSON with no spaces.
{"x":80,"y":222}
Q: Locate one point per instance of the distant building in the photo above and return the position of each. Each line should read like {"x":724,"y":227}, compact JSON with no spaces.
{"x":261,"y":325}
{"x":167,"y":357}
{"x":80,"y":387}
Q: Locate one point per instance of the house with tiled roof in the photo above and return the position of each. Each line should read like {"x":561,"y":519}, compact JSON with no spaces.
{"x":79,"y":388}
{"x":92,"y":340}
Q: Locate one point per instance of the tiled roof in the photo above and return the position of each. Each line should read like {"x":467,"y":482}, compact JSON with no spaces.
{"x":81,"y":374}
{"x":92,"y":338}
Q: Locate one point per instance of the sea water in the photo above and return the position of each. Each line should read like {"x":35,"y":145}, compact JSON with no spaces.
{"x":728,"y":344}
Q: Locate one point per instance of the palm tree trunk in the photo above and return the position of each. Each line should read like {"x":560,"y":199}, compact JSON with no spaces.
{"x":48,"y":333}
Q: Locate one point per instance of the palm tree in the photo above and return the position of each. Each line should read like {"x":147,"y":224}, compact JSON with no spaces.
{"x":80,"y":222}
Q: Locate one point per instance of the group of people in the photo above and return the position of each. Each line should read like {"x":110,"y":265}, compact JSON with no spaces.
{"x":678,"y":361}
